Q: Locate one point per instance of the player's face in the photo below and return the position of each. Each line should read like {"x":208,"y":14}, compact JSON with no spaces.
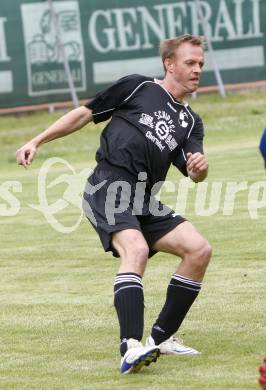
{"x":187,"y":66}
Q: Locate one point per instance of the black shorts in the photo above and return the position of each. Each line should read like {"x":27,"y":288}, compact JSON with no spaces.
{"x":110,"y":203}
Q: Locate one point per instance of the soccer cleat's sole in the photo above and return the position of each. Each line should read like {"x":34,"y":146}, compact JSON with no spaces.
{"x":144,"y":360}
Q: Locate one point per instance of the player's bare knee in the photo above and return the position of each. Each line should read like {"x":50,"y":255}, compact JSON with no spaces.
{"x":139,"y":253}
{"x":200,"y":256}
{"x":206,"y":252}
{"x":135,"y":259}
{"x":203,"y":254}
{"x":135,"y":250}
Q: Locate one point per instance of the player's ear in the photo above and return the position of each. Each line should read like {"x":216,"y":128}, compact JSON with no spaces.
{"x":169,"y":64}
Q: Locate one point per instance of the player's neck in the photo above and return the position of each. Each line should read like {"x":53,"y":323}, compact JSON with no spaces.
{"x":175,"y":89}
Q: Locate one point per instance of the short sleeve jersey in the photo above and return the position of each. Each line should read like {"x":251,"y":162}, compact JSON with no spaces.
{"x":149,"y":130}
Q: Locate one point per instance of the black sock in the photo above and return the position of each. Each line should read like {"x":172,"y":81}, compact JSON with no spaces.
{"x":181,"y":294}
{"x":129,"y":304}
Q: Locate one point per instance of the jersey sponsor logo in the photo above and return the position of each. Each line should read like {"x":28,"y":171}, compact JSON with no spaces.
{"x":163,"y":115}
{"x":163,"y":125}
{"x":183,"y":117}
{"x":155,"y":140}
{"x":162,"y":129}
{"x":147,"y":120}
{"x":171,"y":142}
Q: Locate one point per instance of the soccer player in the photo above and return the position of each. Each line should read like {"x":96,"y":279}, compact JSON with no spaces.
{"x":263,"y":146}
{"x":151,"y":127}
{"x":262,"y":377}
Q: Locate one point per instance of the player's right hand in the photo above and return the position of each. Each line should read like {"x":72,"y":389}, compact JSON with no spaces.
{"x":26,"y":154}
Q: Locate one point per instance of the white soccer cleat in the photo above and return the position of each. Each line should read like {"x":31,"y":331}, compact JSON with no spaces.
{"x":138,"y":356}
{"x":173,"y":346}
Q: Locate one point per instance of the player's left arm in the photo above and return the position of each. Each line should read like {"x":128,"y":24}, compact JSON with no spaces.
{"x":196,"y":162}
{"x":191,"y":160}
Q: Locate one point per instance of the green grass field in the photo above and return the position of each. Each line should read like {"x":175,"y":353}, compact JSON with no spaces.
{"x":58,"y":327}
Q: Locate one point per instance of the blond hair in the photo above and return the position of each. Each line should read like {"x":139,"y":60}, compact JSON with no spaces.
{"x":168,"y":46}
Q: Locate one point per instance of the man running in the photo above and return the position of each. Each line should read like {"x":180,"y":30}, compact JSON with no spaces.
{"x":151,"y":127}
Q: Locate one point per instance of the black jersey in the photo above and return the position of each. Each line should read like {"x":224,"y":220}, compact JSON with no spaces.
{"x":148,"y":130}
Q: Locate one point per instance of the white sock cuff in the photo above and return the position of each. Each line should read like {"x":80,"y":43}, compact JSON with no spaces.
{"x":186,"y":280}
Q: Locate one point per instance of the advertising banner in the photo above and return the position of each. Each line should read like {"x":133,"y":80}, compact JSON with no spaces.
{"x":104,"y":40}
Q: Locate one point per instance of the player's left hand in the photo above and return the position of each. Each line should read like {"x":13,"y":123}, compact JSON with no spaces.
{"x":197,"y":166}
{"x":196,"y":162}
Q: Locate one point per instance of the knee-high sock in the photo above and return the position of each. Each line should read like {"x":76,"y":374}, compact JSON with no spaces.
{"x":181,"y":294}
{"x":129,"y":304}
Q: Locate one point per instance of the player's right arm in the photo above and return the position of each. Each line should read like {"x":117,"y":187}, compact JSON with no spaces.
{"x":67,"y":124}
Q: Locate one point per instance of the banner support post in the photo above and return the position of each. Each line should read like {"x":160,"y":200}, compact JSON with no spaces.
{"x":211,"y":51}
{"x":65,"y":60}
